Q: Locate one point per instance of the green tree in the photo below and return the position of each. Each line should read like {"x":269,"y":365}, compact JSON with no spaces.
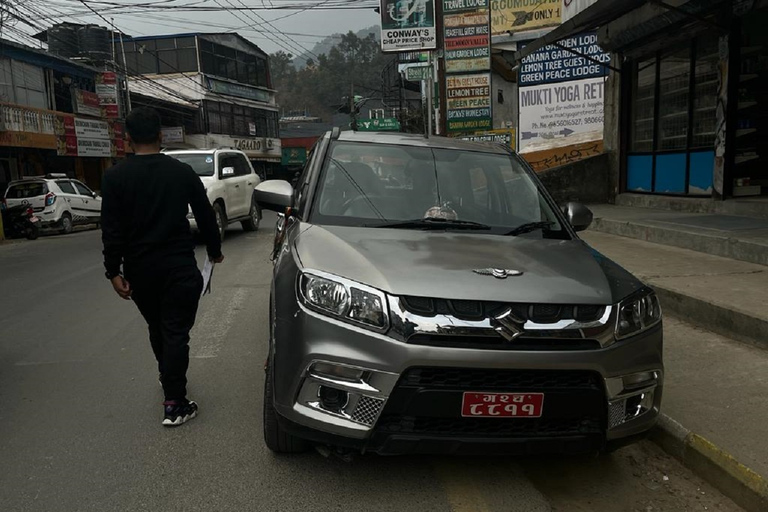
{"x":354,"y":62}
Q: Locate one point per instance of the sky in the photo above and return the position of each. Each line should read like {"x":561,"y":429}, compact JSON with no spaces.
{"x":296,"y":31}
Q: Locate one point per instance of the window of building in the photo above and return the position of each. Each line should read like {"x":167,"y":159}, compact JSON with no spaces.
{"x":22,"y":83}
{"x":672,"y":119}
{"x":222,"y":61}
{"x":161,"y":56}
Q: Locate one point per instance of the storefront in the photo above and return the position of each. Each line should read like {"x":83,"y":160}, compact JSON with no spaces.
{"x":687,"y":98}
{"x":673,"y":128}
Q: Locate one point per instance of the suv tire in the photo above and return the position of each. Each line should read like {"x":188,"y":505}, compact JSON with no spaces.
{"x":221,"y":219}
{"x":66,"y":224}
{"x":277,"y":439}
{"x":254,"y":217}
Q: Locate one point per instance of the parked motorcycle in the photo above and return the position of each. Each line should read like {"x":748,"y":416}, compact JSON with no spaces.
{"x":21,"y":221}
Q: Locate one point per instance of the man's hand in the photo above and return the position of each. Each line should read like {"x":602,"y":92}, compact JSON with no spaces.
{"x":122,"y":287}
{"x":218,"y":260}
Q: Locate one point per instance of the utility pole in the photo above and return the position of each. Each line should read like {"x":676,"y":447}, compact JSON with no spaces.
{"x":352,"y":112}
{"x":430,"y":82}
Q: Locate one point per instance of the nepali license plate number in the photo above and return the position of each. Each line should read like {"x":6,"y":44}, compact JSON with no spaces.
{"x":502,"y":405}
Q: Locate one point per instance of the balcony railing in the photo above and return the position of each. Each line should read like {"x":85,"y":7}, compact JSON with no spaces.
{"x":17,"y":118}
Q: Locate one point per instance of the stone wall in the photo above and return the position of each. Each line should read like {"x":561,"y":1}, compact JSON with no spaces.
{"x":585,"y":181}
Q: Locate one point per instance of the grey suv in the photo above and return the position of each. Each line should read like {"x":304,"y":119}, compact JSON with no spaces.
{"x":430,"y":297}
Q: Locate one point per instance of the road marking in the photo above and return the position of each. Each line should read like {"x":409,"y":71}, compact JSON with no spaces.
{"x":464,"y":493}
{"x":211,"y":330}
{"x":37,"y":363}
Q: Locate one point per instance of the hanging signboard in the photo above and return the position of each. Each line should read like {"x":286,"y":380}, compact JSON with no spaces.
{"x":384,"y":124}
{"x":553,"y":64}
{"x":294,"y":156}
{"x":557,"y":111}
{"x":106,"y":89}
{"x":521,"y":15}
{"x":408,"y":25}
{"x":406,"y":57}
{"x":86,"y":103}
{"x":505,"y":136}
{"x":469,"y":102}
{"x":240,"y":91}
{"x":89,"y":137}
{"x":173,"y":134}
{"x":417,"y":73}
{"x":467,"y":40}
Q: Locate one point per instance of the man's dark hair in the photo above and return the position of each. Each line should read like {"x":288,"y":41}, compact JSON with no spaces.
{"x":143,"y":125}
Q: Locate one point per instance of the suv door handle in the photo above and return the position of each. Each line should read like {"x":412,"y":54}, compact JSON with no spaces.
{"x":237,"y":186}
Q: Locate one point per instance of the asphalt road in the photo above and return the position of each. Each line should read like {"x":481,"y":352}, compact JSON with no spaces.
{"x":80,"y":412}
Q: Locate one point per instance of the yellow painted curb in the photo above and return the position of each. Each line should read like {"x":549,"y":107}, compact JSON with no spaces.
{"x":745,"y":487}
{"x":752,"y":481}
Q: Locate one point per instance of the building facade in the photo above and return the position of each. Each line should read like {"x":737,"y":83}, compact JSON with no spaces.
{"x":214,"y":90}
{"x":52,"y":119}
{"x":686,"y":100}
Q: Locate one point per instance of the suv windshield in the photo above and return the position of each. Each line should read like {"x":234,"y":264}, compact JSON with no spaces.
{"x":201,"y":163}
{"x":380,"y":185}
{"x":25,"y":190}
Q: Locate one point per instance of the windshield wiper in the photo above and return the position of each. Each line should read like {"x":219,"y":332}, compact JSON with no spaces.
{"x":432,"y":223}
{"x":529,"y":227}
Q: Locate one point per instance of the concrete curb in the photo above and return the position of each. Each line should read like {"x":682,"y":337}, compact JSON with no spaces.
{"x":745,"y":487}
{"x":722,"y":320}
{"x":726,"y":247}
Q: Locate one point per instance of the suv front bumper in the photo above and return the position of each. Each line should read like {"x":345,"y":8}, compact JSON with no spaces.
{"x":593,"y":398}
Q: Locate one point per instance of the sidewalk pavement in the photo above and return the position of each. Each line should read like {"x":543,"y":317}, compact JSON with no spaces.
{"x":715,"y":388}
{"x":729,"y":236}
{"x":723,"y":295}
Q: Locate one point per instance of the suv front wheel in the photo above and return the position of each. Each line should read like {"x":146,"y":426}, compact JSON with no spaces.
{"x":277,"y":439}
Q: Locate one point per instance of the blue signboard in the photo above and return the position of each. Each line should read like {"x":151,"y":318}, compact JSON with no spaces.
{"x":553,"y":64}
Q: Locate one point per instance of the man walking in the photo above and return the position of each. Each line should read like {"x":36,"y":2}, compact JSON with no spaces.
{"x":144,"y":224}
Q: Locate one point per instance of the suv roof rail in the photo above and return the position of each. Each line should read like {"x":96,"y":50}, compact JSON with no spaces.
{"x":335,"y":133}
{"x":32,"y":178}
{"x":56,"y":175}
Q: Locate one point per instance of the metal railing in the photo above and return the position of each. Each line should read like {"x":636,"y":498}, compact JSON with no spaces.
{"x":17,"y":118}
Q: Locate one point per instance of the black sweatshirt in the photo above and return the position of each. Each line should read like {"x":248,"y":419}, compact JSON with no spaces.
{"x":144,"y":210}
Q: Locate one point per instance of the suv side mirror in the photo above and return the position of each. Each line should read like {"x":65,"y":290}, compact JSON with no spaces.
{"x":94,"y":195}
{"x":275,"y":195}
{"x":228,"y":171}
{"x":579,"y":216}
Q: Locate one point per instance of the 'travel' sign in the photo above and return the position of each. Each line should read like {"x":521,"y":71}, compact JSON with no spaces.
{"x":469,"y":102}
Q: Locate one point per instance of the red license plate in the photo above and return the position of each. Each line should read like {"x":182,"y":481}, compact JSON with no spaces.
{"x":502,"y":405}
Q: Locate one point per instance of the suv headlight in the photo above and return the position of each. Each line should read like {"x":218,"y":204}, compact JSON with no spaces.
{"x":637,"y":313}
{"x":344,"y":299}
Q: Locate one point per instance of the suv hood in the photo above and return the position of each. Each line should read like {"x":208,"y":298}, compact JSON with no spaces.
{"x":441,"y":264}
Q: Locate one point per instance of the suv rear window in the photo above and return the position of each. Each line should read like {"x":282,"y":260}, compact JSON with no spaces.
{"x":201,"y":163}
{"x":24,"y":190}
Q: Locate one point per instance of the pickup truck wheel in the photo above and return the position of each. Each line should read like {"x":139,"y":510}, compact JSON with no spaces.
{"x":254,"y":217}
{"x":221,"y":219}
{"x":277,"y":439}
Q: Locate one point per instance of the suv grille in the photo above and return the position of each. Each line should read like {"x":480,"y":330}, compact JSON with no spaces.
{"x":478,"y":379}
{"x":478,"y":310}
